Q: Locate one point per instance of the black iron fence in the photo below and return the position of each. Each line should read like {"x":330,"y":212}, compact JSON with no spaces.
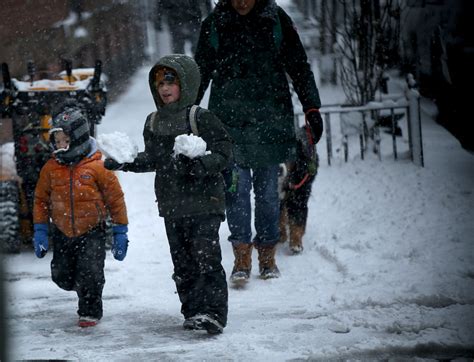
{"x":368,"y":121}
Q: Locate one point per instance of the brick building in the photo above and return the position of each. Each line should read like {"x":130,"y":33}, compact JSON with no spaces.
{"x":50,"y":31}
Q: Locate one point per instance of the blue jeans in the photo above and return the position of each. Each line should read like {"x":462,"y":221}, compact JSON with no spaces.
{"x":267,"y":205}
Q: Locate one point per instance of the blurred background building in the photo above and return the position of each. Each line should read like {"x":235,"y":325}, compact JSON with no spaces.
{"x":48,"y":32}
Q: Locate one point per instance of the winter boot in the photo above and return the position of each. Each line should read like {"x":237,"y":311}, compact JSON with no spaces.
{"x":85,"y":322}
{"x":283,"y":225}
{"x":296,"y":238}
{"x":266,"y":262}
{"x":203,"y":322}
{"x":242,"y":262}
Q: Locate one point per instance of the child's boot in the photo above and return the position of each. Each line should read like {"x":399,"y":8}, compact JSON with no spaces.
{"x":242,"y":262}
{"x":266,"y":262}
{"x":296,"y":238}
{"x":85,"y":322}
{"x":203,"y":321}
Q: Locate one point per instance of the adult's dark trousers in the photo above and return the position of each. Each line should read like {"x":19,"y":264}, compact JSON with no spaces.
{"x":78,"y":264}
{"x":198,"y":273}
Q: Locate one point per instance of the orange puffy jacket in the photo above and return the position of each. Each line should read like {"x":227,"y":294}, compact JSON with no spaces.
{"x":78,"y":197}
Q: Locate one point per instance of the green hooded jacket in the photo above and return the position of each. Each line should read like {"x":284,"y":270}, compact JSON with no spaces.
{"x":177,"y":195}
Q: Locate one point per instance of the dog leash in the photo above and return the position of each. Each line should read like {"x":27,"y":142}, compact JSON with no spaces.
{"x":311,"y":149}
{"x":301,"y":183}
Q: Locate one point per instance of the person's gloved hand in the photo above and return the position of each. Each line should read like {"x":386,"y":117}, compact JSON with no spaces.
{"x":40,"y":239}
{"x":186,"y":166}
{"x":197,"y":169}
{"x":315,"y":121}
{"x":111,"y":164}
{"x":120,"y":243}
{"x":181,"y":164}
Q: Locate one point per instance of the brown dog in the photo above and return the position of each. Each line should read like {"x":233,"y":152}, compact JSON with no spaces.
{"x":295,"y":182}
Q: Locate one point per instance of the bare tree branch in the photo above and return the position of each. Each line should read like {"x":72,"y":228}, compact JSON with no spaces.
{"x":366,"y":36}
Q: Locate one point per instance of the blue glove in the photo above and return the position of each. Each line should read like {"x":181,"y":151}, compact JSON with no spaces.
{"x":40,"y":239}
{"x":120,"y":243}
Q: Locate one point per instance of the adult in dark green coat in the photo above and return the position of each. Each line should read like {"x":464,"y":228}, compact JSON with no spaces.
{"x":247,"y":48}
{"x":189,"y":191}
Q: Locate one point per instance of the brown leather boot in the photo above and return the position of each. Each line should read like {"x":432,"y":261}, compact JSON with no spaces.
{"x":283,"y":225}
{"x":242,"y":262}
{"x":296,"y":238}
{"x":266,"y":262}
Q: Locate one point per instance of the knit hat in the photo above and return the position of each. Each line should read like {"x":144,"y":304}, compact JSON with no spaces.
{"x":166,"y":74}
{"x":74,"y":124}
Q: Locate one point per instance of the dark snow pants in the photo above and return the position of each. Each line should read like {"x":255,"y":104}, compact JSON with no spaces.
{"x":78,"y":264}
{"x":198,"y":273}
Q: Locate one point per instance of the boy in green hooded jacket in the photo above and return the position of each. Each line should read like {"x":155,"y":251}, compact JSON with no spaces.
{"x":189,"y":191}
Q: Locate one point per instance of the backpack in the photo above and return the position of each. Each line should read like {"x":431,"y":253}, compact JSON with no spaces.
{"x":192,"y":118}
{"x":277,"y":34}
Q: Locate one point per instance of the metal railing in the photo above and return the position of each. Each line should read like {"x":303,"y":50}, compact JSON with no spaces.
{"x":408,"y":104}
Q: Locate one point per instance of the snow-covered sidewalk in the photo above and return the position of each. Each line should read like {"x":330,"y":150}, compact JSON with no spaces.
{"x":387,"y":270}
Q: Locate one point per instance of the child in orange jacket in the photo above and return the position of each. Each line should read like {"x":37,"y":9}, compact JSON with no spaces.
{"x":77,"y":193}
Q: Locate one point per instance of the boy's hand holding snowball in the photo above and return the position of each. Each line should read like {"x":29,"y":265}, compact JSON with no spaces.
{"x":112,"y":165}
{"x":188,"y":150}
{"x":117,"y":148}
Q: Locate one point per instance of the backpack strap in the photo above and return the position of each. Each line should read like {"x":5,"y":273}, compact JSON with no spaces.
{"x":213,"y":37}
{"x":193,"y":115}
{"x":151,"y":121}
{"x":277,"y":33}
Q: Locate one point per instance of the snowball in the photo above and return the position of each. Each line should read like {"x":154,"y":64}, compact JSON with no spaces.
{"x":190,"y":145}
{"x":117,"y":145}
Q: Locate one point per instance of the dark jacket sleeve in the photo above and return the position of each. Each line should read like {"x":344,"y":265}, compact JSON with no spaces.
{"x":296,"y":64}
{"x":145,"y":161}
{"x":205,"y":56}
{"x":218,"y":142}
